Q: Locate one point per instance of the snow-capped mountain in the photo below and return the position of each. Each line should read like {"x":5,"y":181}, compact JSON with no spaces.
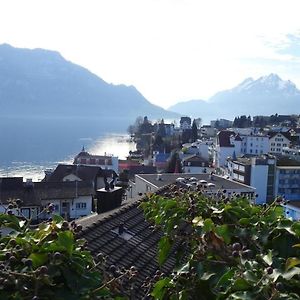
{"x":267,"y":84}
{"x":264,"y":96}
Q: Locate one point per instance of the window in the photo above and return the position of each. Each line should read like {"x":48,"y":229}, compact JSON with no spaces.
{"x":272,"y":144}
{"x":81,"y":205}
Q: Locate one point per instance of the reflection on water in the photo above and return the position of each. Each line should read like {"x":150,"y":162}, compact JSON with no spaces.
{"x":116,"y":144}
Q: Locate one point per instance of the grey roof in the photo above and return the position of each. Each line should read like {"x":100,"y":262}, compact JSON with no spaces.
{"x":168,"y":178}
{"x":138,"y":247}
{"x":85,"y":173}
{"x":14,"y":188}
{"x":63,"y":190}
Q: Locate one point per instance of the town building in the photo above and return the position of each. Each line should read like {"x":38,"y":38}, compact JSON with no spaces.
{"x":185,"y":123}
{"x":13,"y":188}
{"x":212,"y":184}
{"x":71,"y":199}
{"x":104,"y":161}
{"x":195,"y":164}
{"x":292,"y":152}
{"x":278,"y":141}
{"x":258,"y":171}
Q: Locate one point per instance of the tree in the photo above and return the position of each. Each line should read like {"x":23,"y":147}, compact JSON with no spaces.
{"x":228,"y":248}
{"x":49,"y":261}
{"x":174,"y":163}
{"x":194,"y":131}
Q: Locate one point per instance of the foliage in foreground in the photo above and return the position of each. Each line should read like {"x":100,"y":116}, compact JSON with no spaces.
{"x":47,"y":262}
{"x":231,"y":248}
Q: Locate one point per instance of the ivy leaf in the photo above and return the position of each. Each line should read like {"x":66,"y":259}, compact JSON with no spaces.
{"x":164,"y":249}
{"x":291,"y":262}
{"x":159,"y":288}
{"x":224,"y":232}
{"x":242,"y":296}
{"x":208,"y":225}
{"x":268,"y":258}
{"x":66,"y":239}
{"x":38,"y":259}
{"x":290,"y":274}
{"x":198,"y":221}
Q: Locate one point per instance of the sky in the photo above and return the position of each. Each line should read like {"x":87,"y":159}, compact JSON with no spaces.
{"x":170,"y":50}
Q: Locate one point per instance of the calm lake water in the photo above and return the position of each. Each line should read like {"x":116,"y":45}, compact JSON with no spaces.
{"x":31,"y":145}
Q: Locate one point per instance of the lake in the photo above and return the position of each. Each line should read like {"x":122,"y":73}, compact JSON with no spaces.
{"x":29,"y":145}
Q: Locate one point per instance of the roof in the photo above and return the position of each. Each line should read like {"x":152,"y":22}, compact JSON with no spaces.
{"x":168,"y":178}
{"x":223,"y":137}
{"x":162,"y":157}
{"x":85,"y":173}
{"x":14,"y":188}
{"x":63,"y":190}
{"x":238,"y":138}
{"x":194,"y":161}
{"x":287,"y":135}
{"x":294,"y":203}
{"x":136,"y":247}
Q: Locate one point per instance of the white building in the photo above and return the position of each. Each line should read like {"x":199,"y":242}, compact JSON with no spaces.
{"x":225,"y":147}
{"x":71,"y":199}
{"x":255,"y":144}
{"x":278,"y":141}
{"x":258,"y":172}
{"x":199,"y":147}
{"x":291,"y":152}
{"x":211,"y":184}
{"x":107,"y":161}
{"x":195,"y":164}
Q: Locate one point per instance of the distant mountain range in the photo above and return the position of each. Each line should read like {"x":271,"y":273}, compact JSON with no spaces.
{"x":42,"y":83}
{"x":265,"y":96}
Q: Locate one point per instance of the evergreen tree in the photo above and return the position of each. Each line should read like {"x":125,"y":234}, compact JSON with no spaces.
{"x":194,"y":131}
{"x":174,"y":163}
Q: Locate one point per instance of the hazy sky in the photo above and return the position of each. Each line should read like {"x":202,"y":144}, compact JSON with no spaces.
{"x":170,"y":50}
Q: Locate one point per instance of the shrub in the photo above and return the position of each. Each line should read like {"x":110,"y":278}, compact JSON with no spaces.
{"x":231,"y":248}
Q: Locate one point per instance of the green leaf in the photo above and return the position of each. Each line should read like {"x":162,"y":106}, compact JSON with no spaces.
{"x":291,"y":262}
{"x":242,"y":296}
{"x":208,"y":225}
{"x":268,"y":258}
{"x":240,"y":284}
{"x":9,"y":221}
{"x":66,"y":239}
{"x":198,"y":221}
{"x":164,"y":249}
{"x":160,"y":288}
{"x":38,"y":259}
{"x":244,"y":221}
{"x":57,"y":219}
{"x":224,"y":232}
{"x":290,"y":274}
{"x":226,"y":278}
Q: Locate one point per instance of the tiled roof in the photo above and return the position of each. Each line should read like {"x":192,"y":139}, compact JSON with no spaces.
{"x":224,"y":138}
{"x":287,"y":135}
{"x":14,"y":188}
{"x":85,"y":173}
{"x":138,"y":248}
{"x":195,"y":160}
{"x":63,"y":190}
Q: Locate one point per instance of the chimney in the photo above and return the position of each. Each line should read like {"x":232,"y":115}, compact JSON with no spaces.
{"x":121,"y":228}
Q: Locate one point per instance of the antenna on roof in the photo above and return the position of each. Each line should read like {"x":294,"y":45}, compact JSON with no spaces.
{"x":83,"y":150}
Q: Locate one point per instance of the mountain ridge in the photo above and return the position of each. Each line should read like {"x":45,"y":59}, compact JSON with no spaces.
{"x":263,"y":96}
{"x":42,"y":82}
